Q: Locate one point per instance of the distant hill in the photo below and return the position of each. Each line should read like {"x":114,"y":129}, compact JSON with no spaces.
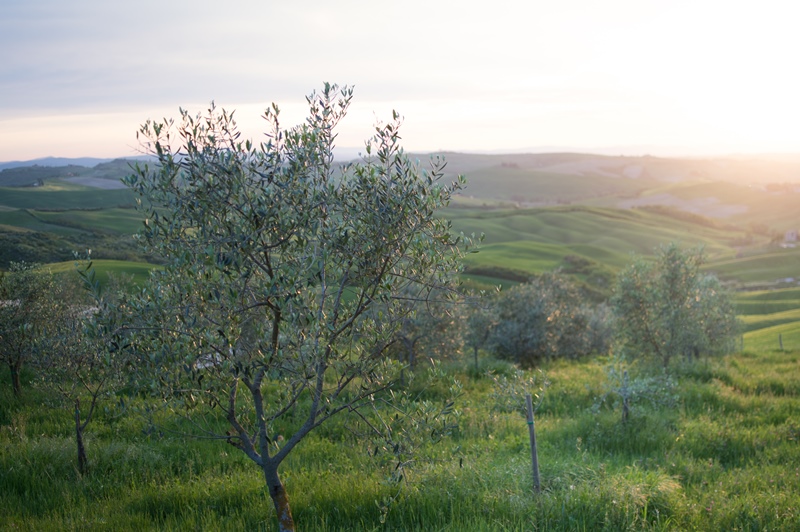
{"x":55,"y":161}
{"x":743,"y":170}
{"x":88,"y":162}
{"x":757,"y":193}
{"x":105,"y":174}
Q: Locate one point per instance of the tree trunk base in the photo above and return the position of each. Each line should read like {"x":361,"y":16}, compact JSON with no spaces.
{"x":281,"y":501}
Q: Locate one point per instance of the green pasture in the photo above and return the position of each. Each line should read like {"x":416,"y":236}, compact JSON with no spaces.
{"x":771,"y":338}
{"x":771,"y":266}
{"x":64,"y":196}
{"x":26,"y":176}
{"x":724,"y":458}
{"x":749,"y":204}
{"x":527,"y":186}
{"x":485,"y":282}
{"x":768,"y":301}
{"x":733,"y":190}
{"x":27,"y":219}
{"x":522,"y":256}
{"x":140,"y":271}
{"x":753,"y":322}
{"x":530,"y":241}
{"x":768,"y":318}
{"x":621,"y":232}
{"x":113,"y":220}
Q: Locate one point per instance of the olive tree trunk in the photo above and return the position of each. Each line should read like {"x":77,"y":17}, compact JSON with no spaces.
{"x":279,"y":498}
{"x":16,"y":384}
{"x":83,"y":464}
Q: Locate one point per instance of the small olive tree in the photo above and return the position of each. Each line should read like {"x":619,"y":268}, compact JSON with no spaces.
{"x":480,"y":317}
{"x":32,"y":303}
{"x":275,"y":260}
{"x":668,"y":308}
{"x":540,"y":320}
{"x":624,"y":391}
{"x":81,"y":358}
{"x":432,"y":327}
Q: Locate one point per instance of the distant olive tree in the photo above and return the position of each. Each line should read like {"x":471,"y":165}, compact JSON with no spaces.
{"x":668,"y":308}
{"x":82,"y":359}
{"x":287,"y":278}
{"x":543,"y":319}
{"x":432,"y":327}
{"x":32,"y":304}
{"x":481,"y":319}
{"x":625,"y":388}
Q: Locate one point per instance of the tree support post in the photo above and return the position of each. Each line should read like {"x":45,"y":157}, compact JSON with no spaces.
{"x":534,"y":450}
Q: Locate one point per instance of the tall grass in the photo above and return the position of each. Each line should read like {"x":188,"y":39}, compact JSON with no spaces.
{"x":64,"y":197}
{"x":726,"y":458}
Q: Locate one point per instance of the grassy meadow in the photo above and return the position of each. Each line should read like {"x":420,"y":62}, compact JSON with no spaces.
{"x":137,"y":271}
{"x":725,"y":457}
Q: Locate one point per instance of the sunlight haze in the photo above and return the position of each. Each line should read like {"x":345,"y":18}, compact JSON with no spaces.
{"x":623,"y":77}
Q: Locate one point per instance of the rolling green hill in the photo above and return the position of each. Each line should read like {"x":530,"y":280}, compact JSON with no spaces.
{"x":535,"y":188}
{"x":585,"y":214}
{"x":768,"y":318}
{"x":64,"y":197}
{"x":524,"y":242}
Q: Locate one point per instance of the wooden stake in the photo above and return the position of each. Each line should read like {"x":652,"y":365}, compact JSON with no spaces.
{"x":534,"y":450}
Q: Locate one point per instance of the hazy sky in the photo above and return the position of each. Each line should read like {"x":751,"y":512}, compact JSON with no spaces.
{"x":681,"y":76}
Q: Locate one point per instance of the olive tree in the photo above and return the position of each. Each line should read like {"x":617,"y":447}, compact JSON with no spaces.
{"x":432,"y":327}
{"x":32,"y":303}
{"x":81,"y":358}
{"x":667,"y":308}
{"x":480,"y":321}
{"x":274,"y":261}
{"x":542,"y":319}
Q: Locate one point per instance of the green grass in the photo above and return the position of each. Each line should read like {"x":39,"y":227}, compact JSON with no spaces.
{"x":64,"y":197}
{"x":725,"y":459}
{"x":754,"y":322}
{"x":139,"y":270}
{"x":536,"y":187}
{"x":30,"y":220}
{"x":768,"y":301}
{"x":768,"y":318}
{"x":748,"y":204}
{"x":771,"y":265}
{"x":531,"y":241}
{"x":113,"y":220}
{"x":770,"y":338}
